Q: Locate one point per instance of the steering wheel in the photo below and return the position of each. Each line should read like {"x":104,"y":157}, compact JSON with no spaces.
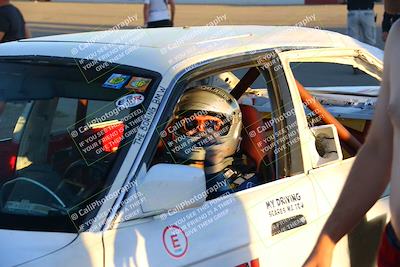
{"x":36,"y":183}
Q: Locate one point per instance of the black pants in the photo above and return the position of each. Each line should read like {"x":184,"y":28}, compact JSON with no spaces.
{"x":160,"y":23}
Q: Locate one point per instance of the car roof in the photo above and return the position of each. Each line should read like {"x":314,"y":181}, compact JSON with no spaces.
{"x":159,"y":49}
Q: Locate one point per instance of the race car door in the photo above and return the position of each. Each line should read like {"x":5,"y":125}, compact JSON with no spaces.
{"x":263,"y":224}
{"x":347,"y":82}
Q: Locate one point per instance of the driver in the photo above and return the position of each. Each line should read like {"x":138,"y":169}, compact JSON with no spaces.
{"x":206,"y":131}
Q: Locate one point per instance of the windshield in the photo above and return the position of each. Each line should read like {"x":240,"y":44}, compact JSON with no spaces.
{"x":63,"y":138}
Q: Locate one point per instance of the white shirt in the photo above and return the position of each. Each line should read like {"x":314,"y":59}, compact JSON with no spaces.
{"x":158,"y":10}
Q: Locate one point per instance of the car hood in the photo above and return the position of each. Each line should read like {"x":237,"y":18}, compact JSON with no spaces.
{"x":17,"y":247}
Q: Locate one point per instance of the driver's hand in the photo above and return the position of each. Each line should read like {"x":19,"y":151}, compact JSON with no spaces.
{"x":215,"y":151}
{"x":214,"y":155}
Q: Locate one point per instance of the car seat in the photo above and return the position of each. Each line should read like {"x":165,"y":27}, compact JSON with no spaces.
{"x":252,"y":138}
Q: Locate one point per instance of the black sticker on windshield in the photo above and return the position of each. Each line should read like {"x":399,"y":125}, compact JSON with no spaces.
{"x":288,"y":224}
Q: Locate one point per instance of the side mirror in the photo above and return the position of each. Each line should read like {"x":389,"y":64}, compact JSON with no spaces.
{"x":171,"y":187}
{"x":327,"y":147}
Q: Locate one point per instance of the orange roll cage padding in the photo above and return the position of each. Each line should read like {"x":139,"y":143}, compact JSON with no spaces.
{"x":326,"y":117}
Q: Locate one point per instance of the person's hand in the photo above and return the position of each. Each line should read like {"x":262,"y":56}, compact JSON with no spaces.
{"x":384,"y":36}
{"x":321,"y":256}
{"x":214,"y":149}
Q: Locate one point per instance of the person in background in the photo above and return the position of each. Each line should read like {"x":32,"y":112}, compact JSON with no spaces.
{"x":361,"y":20}
{"x":156,"y":13}
{"x":392,"y":13}
{"x":12,"y":23}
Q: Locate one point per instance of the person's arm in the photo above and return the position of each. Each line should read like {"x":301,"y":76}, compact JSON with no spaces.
{"x":172,"y":4}
{"x":27,"y":32}
{"x":2,"y":107}
{"x":4,"y":27}
{"x":146,"y":10}
{"x":386,"y":21}
{"x":368,"y":177}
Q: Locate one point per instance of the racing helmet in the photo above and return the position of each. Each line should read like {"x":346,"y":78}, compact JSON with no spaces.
{"x":206,"y":117}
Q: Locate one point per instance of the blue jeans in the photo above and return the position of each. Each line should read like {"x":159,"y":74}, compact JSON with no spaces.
{"x":361,"y":25}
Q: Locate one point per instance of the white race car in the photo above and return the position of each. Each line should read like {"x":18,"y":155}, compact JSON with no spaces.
{"x":98,"y":132}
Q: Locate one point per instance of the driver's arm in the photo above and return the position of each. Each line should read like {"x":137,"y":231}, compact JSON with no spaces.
{"x":368,"y":177}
